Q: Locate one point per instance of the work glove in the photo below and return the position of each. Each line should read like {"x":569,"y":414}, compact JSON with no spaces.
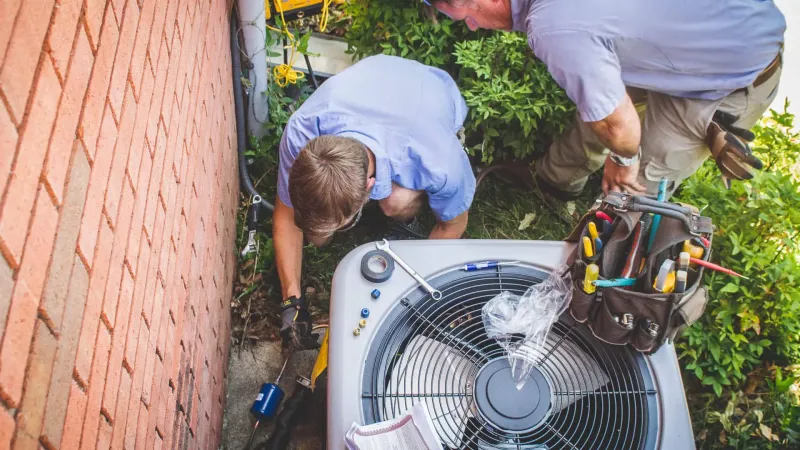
{"x":729,"y":147}
{"x":296,"y":325}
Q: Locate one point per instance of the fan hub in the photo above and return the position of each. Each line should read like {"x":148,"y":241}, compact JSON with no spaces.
{"x":503,"y":406}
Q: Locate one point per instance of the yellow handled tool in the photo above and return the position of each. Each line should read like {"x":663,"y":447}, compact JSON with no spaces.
{"x":592,"y":273}
{"x":588,"y":248}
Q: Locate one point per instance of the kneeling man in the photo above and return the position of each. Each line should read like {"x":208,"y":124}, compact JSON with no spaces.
{"x":384,"y":129}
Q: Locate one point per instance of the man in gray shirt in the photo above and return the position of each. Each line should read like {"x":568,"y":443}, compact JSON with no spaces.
{"x":706,"y":69}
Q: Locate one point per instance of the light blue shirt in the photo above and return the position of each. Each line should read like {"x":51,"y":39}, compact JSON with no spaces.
{"x":407,"y":114}
{"x":702,"y":49}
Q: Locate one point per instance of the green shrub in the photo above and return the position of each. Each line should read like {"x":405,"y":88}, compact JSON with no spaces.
{"x":747,"y":321}
{"x":511,"y":95}
{"x":514,"y":103}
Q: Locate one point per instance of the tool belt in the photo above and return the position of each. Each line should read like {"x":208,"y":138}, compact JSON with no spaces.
{"x":638,"y":315}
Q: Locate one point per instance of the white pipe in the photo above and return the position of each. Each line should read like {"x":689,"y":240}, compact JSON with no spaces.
{"x":254,"y":30}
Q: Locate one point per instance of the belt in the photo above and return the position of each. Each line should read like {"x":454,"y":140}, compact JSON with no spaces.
{"x":765,"y":74}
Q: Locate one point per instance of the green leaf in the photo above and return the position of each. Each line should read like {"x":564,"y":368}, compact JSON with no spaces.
{"x":729,"y":288}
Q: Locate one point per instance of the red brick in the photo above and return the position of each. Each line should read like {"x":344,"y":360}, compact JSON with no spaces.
{"x":94,"y":20}
{"x":132,"y":345}
{"x":62,"y":33}
{"x":132,"y":254}
{"x":136,"y":383}
{"x":53,"y":302}
{"x":8,"y":13}
{"x":7,"y":425}
{"x":117,"y":262}
{"x":104,"y":435}
{"x":138,"y":55}
{"x":94,"y":303}
{"x":24,"y":301}
{"x":69,"y":111}
{"x":22,"y":55}
{"x":137,"y":137}
{"x":156,"y":31}
{"x":127,"y":36}
{"x":158,"y":94}
{"x":95,"y":390}
{"x":155,"y":177}
{"x":153,"y":296}
{"x":8,"y":141}
{"x":121,"y":149}
{"x":76,"y":411}
{"x":117,"y":348}
{"x":97,"y":186}
{"x":6,"y":288}
{"x":158,"y":384}
{"x":121,"y":414}
{"x":141,"y":430}
{"x":95,"y":100}
{"x":61,"y":379}
{"x":16,"y":212}
{"x":31,"y":411}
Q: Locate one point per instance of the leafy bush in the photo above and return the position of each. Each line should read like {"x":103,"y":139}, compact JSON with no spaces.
{"x":747,"y":321}
{"x":514,"y":103}
{"x":511,"y":95}
{"x":764,"y":419}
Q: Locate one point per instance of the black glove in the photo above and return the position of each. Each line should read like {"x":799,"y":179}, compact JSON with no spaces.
{"x":296,"y":326}
{"x":729,"y":147}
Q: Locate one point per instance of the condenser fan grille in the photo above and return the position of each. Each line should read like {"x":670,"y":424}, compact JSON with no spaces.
{"x":581,"y":394}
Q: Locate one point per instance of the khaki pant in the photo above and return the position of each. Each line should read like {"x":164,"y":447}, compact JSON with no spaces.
{"x":673,"y":138}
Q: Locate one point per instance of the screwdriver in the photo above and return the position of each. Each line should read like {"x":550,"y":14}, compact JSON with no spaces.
{"x":592,"y":273}
{"x":717,"y":268}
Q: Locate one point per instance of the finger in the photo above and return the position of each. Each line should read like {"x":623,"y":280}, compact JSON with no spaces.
{"x":637,"y":187}
{"x":605,"y":186}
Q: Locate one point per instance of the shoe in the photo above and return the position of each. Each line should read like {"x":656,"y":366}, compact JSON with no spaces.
{"x":402,"y":231}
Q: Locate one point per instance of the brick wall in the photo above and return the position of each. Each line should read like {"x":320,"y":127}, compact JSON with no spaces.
{"x":118,"y":189}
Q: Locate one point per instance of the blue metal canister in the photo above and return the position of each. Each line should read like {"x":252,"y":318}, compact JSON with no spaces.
{"x":267,"y":401}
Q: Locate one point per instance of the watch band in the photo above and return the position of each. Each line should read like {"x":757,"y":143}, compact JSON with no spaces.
{"x":626,"y":162}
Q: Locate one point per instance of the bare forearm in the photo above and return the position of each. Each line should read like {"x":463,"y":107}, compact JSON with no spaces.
{"x":621,"y":131}
{"x":452,"y":229}
{"x":288,"y":242}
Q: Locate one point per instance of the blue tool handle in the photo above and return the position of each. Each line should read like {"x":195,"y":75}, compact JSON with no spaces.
{"x":480,"y":266}
{"x":617,"y":282}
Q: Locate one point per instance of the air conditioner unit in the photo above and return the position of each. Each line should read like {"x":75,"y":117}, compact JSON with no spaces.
{"x":581,"y":394}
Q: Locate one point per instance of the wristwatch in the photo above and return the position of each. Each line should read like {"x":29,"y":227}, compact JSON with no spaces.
{"x":626,"y":162}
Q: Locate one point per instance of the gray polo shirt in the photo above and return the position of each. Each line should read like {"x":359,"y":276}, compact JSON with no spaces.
{"x":702,"y":49}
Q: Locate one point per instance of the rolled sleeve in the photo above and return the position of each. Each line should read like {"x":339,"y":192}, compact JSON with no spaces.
{"x":456,"y":194}
{"x":585,"y":67}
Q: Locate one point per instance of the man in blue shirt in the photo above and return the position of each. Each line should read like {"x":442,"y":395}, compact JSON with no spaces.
{"x":708,"y":69}
{"x":383,"y":129}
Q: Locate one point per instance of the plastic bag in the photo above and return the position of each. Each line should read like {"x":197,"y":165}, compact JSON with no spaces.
{"x":507,"y":316}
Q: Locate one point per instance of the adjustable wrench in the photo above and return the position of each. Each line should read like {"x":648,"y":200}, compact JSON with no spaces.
{"x":384,"y":245}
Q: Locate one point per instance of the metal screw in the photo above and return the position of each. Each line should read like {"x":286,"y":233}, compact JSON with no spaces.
{"x":362,"y":323}
{"x":357,"y":332}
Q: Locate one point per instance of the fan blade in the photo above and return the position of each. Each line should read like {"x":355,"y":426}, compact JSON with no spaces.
{"x":441,"y":377}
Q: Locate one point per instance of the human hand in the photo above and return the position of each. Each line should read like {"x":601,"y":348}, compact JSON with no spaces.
{"x":296,"y":326}
{"x":729,"y":147}
{"x":621,"y":178}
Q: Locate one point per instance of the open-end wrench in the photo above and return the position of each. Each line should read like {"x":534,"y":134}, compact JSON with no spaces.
{"x":384,"y":245}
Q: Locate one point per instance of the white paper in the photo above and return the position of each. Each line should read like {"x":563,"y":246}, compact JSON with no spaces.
{"x":410,"y":431}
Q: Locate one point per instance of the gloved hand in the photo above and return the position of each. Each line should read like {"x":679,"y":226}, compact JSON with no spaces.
{"x":729,"y":147}
{"x":296,"y":327}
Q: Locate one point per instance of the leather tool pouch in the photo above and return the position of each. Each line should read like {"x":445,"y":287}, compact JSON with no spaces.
{"x":639,"y":315}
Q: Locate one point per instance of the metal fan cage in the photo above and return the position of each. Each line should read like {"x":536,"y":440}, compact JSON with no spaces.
{"x":601,"y":396}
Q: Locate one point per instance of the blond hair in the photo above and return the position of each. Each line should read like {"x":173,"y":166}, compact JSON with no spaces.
{"x":328,"y":183}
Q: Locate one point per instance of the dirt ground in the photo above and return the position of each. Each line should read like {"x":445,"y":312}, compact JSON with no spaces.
{"x":258,"y":364}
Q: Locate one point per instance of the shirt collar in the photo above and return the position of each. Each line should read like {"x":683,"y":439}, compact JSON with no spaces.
{"x":383,"y":171}
{"x":519,"y":14}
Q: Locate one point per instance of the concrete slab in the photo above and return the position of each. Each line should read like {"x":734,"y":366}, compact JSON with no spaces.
{"x":246,"y":373}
